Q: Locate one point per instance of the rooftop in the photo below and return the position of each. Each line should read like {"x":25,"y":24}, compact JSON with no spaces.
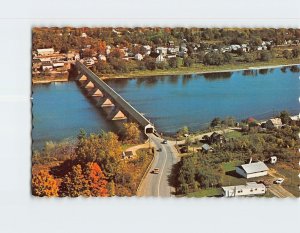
{"x":255,"y":167}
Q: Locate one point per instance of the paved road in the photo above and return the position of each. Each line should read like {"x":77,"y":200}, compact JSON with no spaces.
{"x":157,"y":184}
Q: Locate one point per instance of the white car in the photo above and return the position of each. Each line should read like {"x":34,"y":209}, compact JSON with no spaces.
{"x":279,"y":181}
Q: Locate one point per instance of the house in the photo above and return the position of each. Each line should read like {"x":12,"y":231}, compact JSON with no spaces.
{"x":77,"y":57}
{"x":251,"y":170}
{"x":36,"y":64}
{"x":47,"y":65}
{"x":206,"y":148}
{"x":89,"y":61}
{"x":216,"y":138}
{"x":160,"y":58}
{"x":273,"y":123}
{"x":58,"y":64}
{"x":138,"y":57}
{"x":250,"y":189}
{"x":295,"y":118}
{"x":101,"y":57}
{"x":43,"y":52}
{"x":162,"y":50}
{"x":127,"y":155}
{"x":148,"y":49}
{"x":171,"y":43}
{"x":83,"y":35}
{"x":108,"y":48}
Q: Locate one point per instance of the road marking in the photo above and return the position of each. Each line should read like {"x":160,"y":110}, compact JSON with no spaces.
{"x":162,"y":170}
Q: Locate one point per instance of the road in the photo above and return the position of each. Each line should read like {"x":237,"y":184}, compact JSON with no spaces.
{"x":279,"y":191}
{"x":157,"y":185}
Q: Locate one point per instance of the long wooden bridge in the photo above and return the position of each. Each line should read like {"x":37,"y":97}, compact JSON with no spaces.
{"x":110,"y":101}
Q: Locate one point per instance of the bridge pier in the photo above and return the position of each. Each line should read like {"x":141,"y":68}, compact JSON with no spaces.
{"x":95,"y":93}
{"x":116,"y":114}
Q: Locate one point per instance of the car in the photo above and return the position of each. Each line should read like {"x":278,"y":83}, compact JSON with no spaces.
{"x":278,"y":181}
{"x":155,"y":171}
{"x":159,"y":149}
{"x":164,"y":141}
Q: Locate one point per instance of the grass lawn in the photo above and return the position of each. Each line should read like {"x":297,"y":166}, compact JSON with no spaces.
{"x":233,"y":134}
{"x":211,"y":192}
{"x":230,"y":177}
{"x":291,"y":181}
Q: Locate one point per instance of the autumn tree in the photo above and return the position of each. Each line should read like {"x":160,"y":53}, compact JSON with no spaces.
{"x":132,"y":133}
{"x":84,"y":180}
{"x":96,"y":180}
{"x":104,"y":148}
{"x":102,"y":47}
{"x":43,"y":184}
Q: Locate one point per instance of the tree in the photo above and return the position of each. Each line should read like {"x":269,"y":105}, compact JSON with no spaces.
{"x":84,"y":180}
{"x":296,"y":52}
{"x":287,"y":54}
{"x":184,"y":130}
{"x":188,"y":61}
{"x":285,"y":117}
{"x":150,"y":63}
{"x":116,"y":53}
{"x":266,"y":56}
{"x":215,"y":122}
{"x":97,"y":180}
{"x":132,"y":133}
{"x":174,"y":62}
{"x":43,"y":184}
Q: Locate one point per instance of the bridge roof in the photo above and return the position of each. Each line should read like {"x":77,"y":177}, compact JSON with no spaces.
{"x":114,"y":95}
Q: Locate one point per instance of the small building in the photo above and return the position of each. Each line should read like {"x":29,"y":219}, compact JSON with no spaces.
{"x":160,"y":58}
{"x":43,"y":52}
{"x":138,"y":57}
{"x":47,"y":65}
{"x":83,"y":35}
{"x":217,"y":138}
{"x":252,"y":170}
{"x":206,"y":148}
{"x":58,"y":64}
{"x":273,"y":123}
{"x":250,"y":189}
{"x":127,"y":155}
{"x":162,"y":50}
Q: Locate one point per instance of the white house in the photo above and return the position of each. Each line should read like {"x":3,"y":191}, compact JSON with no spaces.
{"x":101,"y":57}
{"x":47,"y":51}
{"x":47,"y":66}
{"x":162,"y":50}
{"x":148,"y":49}
{"x":83,"y":35}
{"x":252,"y":170}
{"x":274,"y":123}
{"x":160,"y":58}
{"x":138,"y":57}
{"x":250,"y":189}
{"x":58,"y":64}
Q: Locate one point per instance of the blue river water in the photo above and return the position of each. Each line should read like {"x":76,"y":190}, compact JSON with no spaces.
{"x":170,"y":102}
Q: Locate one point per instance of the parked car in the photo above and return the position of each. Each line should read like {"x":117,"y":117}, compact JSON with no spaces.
{"x":155,"y":171}
{"x":164,"y":141}
{"x":159,"y":149}
{"x":279,"y":181}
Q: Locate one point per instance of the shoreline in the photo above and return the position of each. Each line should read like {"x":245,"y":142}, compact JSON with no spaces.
{"x":49,"y":81}
{"x":171,"y":73}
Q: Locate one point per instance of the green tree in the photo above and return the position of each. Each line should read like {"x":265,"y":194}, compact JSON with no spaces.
{"x":287,"y":54}
{"x":132,"y":132}
{"x":216,"y":122}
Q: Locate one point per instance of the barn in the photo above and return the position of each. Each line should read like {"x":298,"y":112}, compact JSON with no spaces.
{"x":252,"y":170}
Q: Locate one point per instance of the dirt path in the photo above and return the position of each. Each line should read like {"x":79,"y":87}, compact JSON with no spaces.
{"x":137,"y":147}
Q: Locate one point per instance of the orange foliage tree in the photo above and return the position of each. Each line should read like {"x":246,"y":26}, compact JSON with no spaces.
{"x":43,"y":184}
{"x":86,"y":180}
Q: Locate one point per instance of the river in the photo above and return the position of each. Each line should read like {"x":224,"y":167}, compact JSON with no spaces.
{"x":170,"y":102}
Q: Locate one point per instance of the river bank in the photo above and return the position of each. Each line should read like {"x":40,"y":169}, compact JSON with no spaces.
{"x":203,"y":69}
{"x":46,"y":81}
